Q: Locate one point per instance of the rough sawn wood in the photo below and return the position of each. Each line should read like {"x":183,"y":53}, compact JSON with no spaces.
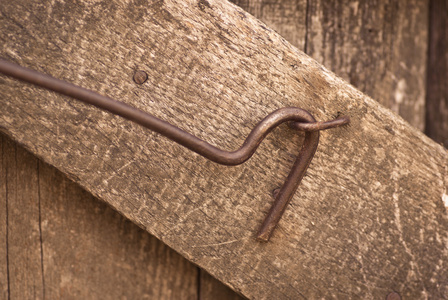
{"x":369,"y":218}
{"x":59,"y":242}
{"x":380,"y":47}
{"x":437,"y":96}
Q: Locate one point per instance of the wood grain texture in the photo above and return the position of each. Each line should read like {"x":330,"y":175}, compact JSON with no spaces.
{"x":212,"y":289}
{"x":25,"y":279}
{"x":85,"y":250}
{"x":369,"y":217}
{"x":287,"y":17}
{"x":437,"y":94}
{"x":379,"y":47}
{"x":4,"y":272}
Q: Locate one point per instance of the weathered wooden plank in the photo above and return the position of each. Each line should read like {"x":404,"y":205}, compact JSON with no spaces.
{"x":287,"y":17}
{"x":437,"y":90}
{"x":4,"y":289}
{"x":379,"y":47}
{"x":24,"y":272}
{"x":92,"y":252}
{"x":350,"y":230}
{"x":89,"y":250}
{"x":212,"y":289}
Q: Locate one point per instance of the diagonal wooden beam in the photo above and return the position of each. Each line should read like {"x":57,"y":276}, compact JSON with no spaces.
{"x":370,"y":216}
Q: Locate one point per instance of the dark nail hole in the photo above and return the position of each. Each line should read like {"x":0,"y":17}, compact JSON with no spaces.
{"x":140,"y":77}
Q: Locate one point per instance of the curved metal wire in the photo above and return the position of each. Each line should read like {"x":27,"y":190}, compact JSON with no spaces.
{"x":300,"y":119}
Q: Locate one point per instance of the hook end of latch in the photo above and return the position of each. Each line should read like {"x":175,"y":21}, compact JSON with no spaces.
{"x":284,"y":195}
{"x":316,"y":126}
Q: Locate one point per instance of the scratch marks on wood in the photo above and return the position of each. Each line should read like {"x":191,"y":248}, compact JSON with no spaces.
{"x":414,"y":273}
{"x":236,"y":72}
{"x":82,"y":247}
{"x":216,"y":244}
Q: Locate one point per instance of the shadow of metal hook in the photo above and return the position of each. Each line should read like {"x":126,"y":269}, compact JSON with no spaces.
{"x":299,"y":119}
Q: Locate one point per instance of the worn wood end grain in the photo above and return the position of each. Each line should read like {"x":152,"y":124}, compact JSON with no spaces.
{"x":370,"y":216}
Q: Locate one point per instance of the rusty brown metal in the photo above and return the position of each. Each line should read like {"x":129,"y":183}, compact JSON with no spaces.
{"x":299,"y":119}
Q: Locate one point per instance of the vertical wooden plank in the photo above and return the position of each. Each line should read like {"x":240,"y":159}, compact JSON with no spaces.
{"x":23,"y":223}
{"x":287,"y":17}
{"x":379,"y":47}
{"x":90,"y":251}
{"x":437,"y":82}
{"x":212,"y":289}
{"x":143,"y":219}
{"x":4,"y":290}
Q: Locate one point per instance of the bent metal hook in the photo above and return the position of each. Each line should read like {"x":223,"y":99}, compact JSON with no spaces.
{"x":299,"y":119}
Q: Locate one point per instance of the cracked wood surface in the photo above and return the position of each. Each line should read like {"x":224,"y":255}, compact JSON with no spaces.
{"x":21,"y":227}
{"x":369,"y":216}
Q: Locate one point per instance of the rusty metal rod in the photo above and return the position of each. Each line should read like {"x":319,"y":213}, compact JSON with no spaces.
{"x":301,"y":120}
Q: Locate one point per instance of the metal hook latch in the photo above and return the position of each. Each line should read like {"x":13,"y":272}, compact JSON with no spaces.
{"x":299,"y":119}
